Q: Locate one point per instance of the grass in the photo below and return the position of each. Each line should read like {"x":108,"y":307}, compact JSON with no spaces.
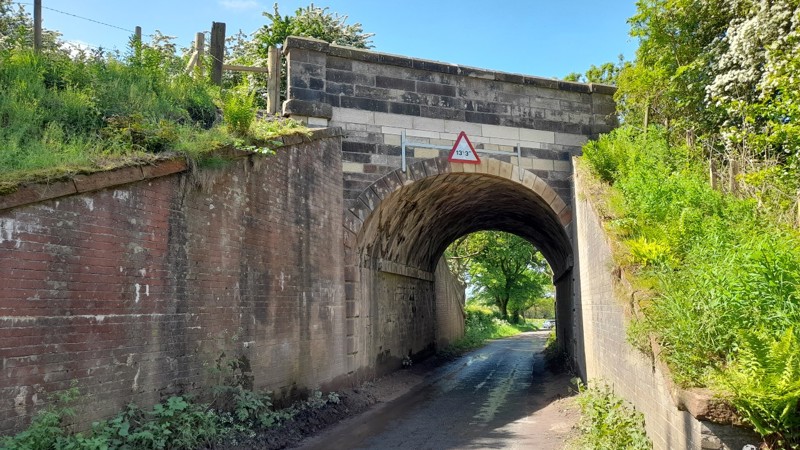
{"x":62,"y":114}
{"x":724,"y":276}
{"x":482,"y":324}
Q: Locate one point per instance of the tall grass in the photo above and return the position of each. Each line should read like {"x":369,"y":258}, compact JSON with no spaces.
{"x":722,"y":272}
{"x":483,"y":323}
{"x":62,"y":114}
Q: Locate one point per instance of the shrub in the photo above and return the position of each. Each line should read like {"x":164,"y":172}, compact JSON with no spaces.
{"x":720,"y":270}
{"x":609,"y":423}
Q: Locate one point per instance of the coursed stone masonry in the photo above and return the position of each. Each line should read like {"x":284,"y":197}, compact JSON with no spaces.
{"x":374,"y":96}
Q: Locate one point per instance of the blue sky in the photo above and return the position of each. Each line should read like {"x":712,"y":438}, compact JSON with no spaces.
{"x":548,"y":38}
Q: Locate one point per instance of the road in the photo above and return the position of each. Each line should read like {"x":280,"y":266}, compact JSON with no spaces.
{"x":500,"y":396}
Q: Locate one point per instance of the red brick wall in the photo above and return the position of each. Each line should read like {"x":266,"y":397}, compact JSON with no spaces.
{"x":135,"y":291}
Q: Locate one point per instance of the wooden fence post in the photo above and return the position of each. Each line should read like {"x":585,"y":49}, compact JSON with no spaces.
{"x":797,"y":204}
{"x":712,"y":174}
{"x":199,"y":48}
{"x":274,"y":80}
{"x":217,"y":51}
{"x":733,"y":172}
{"x":37,"y":25}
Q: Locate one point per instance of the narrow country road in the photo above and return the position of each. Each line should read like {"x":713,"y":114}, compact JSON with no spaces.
{"x":500,"y":396}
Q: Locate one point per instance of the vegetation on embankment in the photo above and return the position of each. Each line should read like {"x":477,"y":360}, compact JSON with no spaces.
{"x":483,"y":323}
{"x":724,"y":276}
{"x":719,"y":254}
{"x":64,"y":114}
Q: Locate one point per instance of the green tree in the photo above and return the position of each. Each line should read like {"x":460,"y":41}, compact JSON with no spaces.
{"x":16,"y":28}
{"x":606,"y":73}
{"x":504,"y":269}
{"x":311,"y":21}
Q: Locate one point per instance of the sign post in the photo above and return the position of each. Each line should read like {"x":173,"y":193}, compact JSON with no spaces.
{"x":463,"y":151}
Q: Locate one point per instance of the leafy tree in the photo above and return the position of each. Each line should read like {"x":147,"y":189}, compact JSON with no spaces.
{"x":506,"y":270}
{"x":667,"y":81}
{"x":16,"y":28}
{"x":311,"y":21}
{"x":606,"y":73}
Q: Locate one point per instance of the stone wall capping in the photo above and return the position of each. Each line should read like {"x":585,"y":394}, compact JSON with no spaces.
{"x":295,"y":107}
{"x":438,"y":66}
{"x":603,"y":88}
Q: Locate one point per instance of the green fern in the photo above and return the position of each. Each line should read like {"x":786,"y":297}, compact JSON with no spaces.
{"x":763,"y":383}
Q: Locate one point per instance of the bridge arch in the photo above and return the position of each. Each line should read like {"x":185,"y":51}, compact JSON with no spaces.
{"x":403,"y":222}
{"x":410,"y":218}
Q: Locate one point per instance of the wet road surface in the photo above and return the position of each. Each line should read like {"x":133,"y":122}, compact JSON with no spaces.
{"x":500,"y":396}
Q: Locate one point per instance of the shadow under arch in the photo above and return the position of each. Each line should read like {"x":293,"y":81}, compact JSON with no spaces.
{"x":403,"y":223}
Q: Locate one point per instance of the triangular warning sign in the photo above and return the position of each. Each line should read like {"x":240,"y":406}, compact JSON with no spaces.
{"x":463,"y":151}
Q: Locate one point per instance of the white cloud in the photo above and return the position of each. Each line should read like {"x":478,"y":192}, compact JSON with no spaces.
{"x":239,"y":5}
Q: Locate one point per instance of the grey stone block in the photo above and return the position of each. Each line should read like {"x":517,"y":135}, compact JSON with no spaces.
{"x":404,"y":108}
{"x":339,"y":88}
{"x":484,"y":118}
{"x":435,"y":88}
{"x":334,"y":62}
{"x":299,"y":107}
{"x":366,"y":104}
{"x":442,"y":113}
{"x":395,"y":83}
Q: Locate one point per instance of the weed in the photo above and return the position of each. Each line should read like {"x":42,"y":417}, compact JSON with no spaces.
{"x":608,"y":422}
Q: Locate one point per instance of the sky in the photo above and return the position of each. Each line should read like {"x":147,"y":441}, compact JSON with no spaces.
{"x":548,"y":38}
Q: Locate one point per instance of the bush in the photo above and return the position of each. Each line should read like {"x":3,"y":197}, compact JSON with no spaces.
{"x":608,"y":422}
{"x":720,"y":270}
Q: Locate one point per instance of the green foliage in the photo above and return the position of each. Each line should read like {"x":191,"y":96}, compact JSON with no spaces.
{"x":506,"y":270}
{"x":311,"y":21}
{"x":606,"y":73}
{"x":718,"y":284}
{"x":481,"y":324}
{"x":238,"y":110}
{"x":609,"y":423}
{"x":763,"y":382}
{"x":48,"y":428}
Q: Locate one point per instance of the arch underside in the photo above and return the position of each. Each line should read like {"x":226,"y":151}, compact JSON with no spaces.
{"x":414,"y":224}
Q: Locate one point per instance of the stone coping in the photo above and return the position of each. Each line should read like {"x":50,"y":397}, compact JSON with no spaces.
{"x":358,"y":54}
{"x":78,"y":184}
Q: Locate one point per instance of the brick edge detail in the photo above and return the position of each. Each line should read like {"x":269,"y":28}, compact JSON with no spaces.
{"x":38,"y":192}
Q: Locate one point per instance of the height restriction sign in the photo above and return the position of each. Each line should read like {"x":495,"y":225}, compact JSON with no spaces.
{"x":463,"y":151}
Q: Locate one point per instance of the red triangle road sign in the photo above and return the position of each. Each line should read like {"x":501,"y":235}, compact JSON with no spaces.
{"x":463,"y":151}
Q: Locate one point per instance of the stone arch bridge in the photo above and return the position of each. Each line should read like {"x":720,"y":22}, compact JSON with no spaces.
{"x":405,"y":202}
{"x":319,"y":266}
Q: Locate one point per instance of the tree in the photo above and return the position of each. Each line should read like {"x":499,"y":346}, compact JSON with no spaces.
{"x":505,"y":270}
{"x":16,"y":29}
{"x":310,"y":21}
{"x":606,"y":73}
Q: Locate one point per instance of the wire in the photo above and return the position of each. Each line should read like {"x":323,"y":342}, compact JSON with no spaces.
{"x":76,"y":16}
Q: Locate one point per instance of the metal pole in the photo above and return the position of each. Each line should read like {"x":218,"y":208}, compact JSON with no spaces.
{"x":403,"y":150}
{"x":37,"y":25}
{"x":519,"y":160}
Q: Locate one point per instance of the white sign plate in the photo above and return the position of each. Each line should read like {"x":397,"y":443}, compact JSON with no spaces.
{"x":463,"y":151}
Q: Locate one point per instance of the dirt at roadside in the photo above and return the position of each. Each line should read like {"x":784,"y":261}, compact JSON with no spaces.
{"x":351,"y":402}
